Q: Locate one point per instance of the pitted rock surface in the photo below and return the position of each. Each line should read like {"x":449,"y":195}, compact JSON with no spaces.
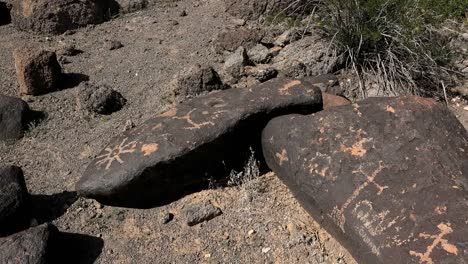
{"x":58,"y":16}
{"x":387,"y":176}
{"x":201,"y":138}
{"x":14,"y":200}
{"x":29,"y":246}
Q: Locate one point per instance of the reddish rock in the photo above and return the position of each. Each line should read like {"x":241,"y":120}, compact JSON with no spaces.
{"x":387,"y":177}
{"x":330,"y":101}
{"x":58,"y":16}
{"x":37,"y":70}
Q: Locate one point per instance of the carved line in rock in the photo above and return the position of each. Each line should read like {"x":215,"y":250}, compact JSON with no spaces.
{"x":114,"y":154}
{"x":338,"y":214}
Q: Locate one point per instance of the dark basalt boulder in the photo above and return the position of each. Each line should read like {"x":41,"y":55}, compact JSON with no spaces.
{"x":14,"y":116}
{"x":205,"y":137}
{"x":388,"y":177}
{"x":14,"y":201}
{"x":29,"y":246}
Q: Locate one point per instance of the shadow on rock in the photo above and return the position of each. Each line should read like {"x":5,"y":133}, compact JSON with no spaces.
{"x":74,"y":248}
{"x":70,"y":80}
{"x":46,"y":208}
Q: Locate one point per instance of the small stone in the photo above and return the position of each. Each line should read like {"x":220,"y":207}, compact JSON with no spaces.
{"x":183,"y":13}
{"x":98,"y":205}
{"x":465,"y":108}
{"x":37,"y":70}
{"x":207,"y":255}
{"x":265,"y":250}
{"x":114,"y":44}
{"x":200,"y":212}
{"x":67,"y":50}
{"x":174,"y":22}
{"x":238,"y":21}
{"x":100,"y":99}
{"x":251,"y":232}
{"x":166,"y":218}
{"x":261,"y":73}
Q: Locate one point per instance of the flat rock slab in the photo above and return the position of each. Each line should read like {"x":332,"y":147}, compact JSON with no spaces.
{"x":201,"y":138}
{"x":387,"y":177}
{"x":200,"y":212}
{"x":29,"y":246}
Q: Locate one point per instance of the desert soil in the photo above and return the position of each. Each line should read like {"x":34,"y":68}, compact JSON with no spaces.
{"x":260,"y":223}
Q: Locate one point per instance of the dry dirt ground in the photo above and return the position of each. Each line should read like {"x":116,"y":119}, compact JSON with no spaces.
{"x":261,"y":222}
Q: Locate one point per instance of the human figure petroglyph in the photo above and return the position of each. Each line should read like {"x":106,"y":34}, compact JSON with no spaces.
{"x":438,"y":239}
{"x":338,"y":213}
{"x":114,"y":154}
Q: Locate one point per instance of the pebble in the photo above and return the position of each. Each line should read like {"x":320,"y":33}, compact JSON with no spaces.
{"x":265,"y":250}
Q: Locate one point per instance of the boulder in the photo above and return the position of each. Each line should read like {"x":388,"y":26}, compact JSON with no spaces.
{"x":58,"y":16}
{"x":37,"y":70}
{"x":14,"y":117}
{"x":5,"y":17}
{"x":194,"y":81}
{"x":205,"y":137}
{"x":14,"y":200}
{"x":29,"y":246}
{"x":129,"y":6}
{"x":231,"y":39}
{"x":387,"y":177}
{"x":254,"y":9}
{"x":309,"y":56}
{"x":259,"y":54}
{"x":234,"y":64}
{"x":99,"y":99}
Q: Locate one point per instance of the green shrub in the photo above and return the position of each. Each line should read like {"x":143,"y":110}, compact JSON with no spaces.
{"x":394,"y":41}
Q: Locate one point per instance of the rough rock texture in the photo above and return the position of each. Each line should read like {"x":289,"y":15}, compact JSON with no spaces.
{"x":231,"y":39}
{"x":128,"y":6}
{"x":201,"y":138}
{"x":387,"y":177}
{"x":99,"y":99}
{"x":195,"y":81}
{"x":200,"y":212}
{"x":259,"y":54}
{"x":29,"y":246}
{"x":58,"y":16}
{"x":5,"y":17}
{"x":234,"y":64}
{"x":37,"y":70}
{"x":14,"y":115}
{"x":253,"y":9}
{"x":328,"y":83}
{"x":14,"y":200}
{"x":309,"y":56}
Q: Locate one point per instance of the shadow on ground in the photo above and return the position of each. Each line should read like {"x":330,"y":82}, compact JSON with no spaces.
{"x":46,"y":208}
{"x":74,"y":248}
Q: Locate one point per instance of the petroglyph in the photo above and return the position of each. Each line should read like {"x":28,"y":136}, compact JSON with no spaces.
{"x":282,"y":157}
{"x":193,"y":124}
{"x":148,"y":149}
{"x":114,"y":154}
{"x":338,"y":214}
{"x":170,"y":113}
{"x":390,"y":109}
{"x":357,"y":149}
{"x":438,"y":239}
{"x":285,"y":89}
{"x":374,"y":222}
